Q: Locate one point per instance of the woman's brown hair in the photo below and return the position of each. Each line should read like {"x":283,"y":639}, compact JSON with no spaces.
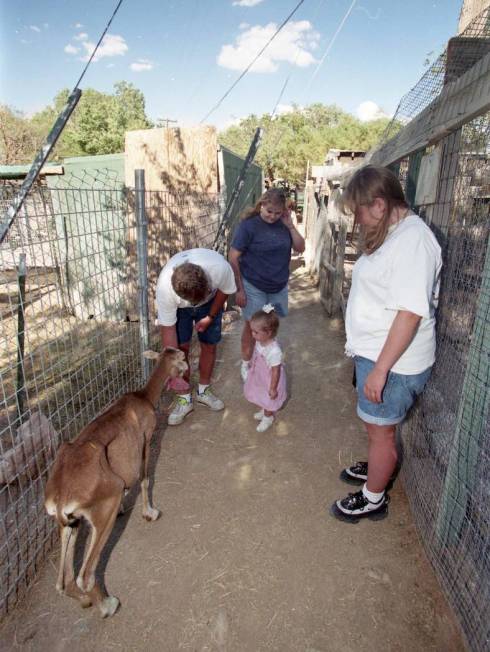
{"x":366,"y":185}
{"x":274,"y":196}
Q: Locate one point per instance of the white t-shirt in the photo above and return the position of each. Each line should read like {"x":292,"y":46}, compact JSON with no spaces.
{"x":217,"y":269}
{"x":271,"y":352}
{"x":403,"y":274}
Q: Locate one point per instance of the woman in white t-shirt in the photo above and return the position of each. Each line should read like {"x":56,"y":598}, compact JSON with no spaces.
{"x":390,"y":326}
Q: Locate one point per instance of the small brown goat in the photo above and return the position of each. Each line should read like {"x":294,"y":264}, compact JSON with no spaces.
{"x":91,"y":474}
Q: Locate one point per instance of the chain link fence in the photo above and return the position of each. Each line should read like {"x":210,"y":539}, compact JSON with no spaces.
{"x":70,"y":335}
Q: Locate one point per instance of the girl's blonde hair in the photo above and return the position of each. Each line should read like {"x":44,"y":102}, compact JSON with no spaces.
{"x":268,"y":320}
{"x":366,"y":185}
{"x":274,"y":196}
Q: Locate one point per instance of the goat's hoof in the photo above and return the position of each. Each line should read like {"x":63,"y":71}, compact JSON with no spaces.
{"x":87,"y":586}
{"x":108,"y":606}
{"x":151,"y":514}
{"x":60,"y":588}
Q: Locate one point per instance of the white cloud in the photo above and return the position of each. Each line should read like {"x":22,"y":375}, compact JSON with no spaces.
{"x":78,"y":25}
{"x":284,"y":108}
{"x":141,"y":64}
{"x":243,"y":25}
{"x":83,"y":36}
{"x":112,"y":45}
{"x":71,"y":49}
{"x":369,"y":110}
{"x":34,"y":28}
{"x":246,"y":3}
{"x":292,"y":44}
{"x":45,"y":25}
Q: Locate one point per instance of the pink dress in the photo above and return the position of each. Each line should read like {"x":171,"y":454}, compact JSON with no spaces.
{"x":256,"y":388}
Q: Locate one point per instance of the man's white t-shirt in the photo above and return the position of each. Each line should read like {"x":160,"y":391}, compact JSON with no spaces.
{"x":403,"y":274}
{"x":272,"y":353}
{"x":217,"y":269}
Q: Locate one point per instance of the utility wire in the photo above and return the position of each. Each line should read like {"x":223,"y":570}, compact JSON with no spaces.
{"x":330,"y":45}
{"x":284,"y":22}
{"x":99,"y":42}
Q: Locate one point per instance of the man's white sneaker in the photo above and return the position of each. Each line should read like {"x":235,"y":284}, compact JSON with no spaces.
{"x":244,"y":370}
{"x":265,"y":424}
{"x":258,"y":416}
{"x":181,"y":409}
{"x":208,"y":398}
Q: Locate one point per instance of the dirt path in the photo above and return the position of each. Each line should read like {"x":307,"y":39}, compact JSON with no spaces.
{"x":245,"y":557}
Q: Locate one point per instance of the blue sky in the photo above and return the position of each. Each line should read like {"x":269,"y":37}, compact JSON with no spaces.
{"x":185,"y":54}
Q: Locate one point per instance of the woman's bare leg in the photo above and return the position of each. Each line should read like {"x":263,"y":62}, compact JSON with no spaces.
{"x":382,"y":456}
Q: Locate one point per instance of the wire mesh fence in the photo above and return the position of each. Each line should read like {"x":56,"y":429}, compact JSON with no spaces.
{"x":446,"y":439}
{"x":70,"y":335}
{"x":461,"y":53}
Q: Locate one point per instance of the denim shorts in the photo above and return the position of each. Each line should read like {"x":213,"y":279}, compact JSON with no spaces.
{"x":256,"y":299}
{"x":398,"y":396}
{"x":187,"y":317}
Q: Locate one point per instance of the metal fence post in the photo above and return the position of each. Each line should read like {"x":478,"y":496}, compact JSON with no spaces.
{"x":142,"y":253}
{"x":21,"y":389}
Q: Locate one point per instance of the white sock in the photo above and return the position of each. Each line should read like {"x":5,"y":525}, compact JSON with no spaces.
{"x":188,"y":397}
{"x":245,"y":363}
{"x":371,"y":496}
{"x":202,"y":388}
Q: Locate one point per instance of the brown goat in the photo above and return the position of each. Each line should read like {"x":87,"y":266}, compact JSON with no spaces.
{"x":90,"y":475}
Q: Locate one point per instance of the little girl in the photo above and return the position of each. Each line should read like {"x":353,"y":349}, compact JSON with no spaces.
{"x":266,"y":379}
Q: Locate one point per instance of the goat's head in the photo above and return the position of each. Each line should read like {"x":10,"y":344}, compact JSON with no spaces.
{"x":174,"y":358}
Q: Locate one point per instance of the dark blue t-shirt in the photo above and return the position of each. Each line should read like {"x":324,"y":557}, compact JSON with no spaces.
{"x":266,"y":252}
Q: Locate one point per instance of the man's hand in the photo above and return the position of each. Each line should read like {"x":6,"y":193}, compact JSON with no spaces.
{"x":374,"y":385}
{"x":178,"y":384}
{"x":203,"y":324}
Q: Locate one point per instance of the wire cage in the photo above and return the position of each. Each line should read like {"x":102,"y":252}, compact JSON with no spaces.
{"x":70,"y":334}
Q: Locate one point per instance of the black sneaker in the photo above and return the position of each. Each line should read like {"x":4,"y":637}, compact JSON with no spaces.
{"x":355,"y":474}
{"x":357,"y":506}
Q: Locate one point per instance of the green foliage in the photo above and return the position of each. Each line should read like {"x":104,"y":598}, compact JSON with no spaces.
{"x":292,"y":139}
{"x":17,"y":139}
{"x":97,"y":126}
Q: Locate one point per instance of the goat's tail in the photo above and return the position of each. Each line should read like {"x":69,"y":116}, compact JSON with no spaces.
{"x":65,"y":515}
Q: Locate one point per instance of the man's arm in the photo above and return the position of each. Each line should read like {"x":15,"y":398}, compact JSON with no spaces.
{"x":168,"y":335}
{"x":216,"y":306}
{"x":233,"y":257}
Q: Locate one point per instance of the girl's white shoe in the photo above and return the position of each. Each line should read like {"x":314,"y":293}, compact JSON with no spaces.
{"x":258,"y":416}
{"x":265,"y":424}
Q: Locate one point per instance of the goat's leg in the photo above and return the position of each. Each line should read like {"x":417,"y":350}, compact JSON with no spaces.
{"x":68,"y":537}
{"x":101,"y":517}
{"x":149,"y":512}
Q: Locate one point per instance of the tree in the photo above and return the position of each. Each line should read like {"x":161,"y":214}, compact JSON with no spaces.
{"x":292,"y":139}
{"x":17,"y":138}
{"x":99,"y":122}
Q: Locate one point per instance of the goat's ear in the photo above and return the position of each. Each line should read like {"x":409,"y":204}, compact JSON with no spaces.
{"x":151,"y":355}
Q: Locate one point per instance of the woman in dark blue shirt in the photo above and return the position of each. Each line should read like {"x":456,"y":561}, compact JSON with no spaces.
{"x":260,"y":254}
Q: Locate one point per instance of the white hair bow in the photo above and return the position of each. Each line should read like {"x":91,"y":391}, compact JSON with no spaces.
{"x":268,"y":308}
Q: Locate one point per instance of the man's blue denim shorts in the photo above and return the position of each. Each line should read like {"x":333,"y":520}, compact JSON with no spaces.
{"x":398,"y":396}
{"x":256,"y":299}
{"x":187,"y":317}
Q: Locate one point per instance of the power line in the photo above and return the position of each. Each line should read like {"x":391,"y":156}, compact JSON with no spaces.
{"x":330,"y":45}
{"x":99,"y":42}
{"x":285,"y":21}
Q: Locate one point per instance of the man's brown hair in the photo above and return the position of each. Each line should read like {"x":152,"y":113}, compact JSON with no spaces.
{"x":190,"y":282}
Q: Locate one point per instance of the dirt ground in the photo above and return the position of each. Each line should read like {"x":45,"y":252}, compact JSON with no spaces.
{"x":245,"y":556}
